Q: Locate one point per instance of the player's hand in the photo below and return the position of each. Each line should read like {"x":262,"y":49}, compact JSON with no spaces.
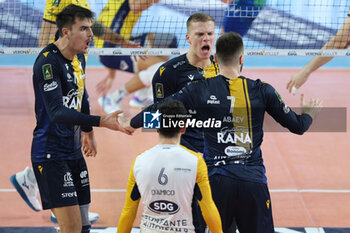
{"x":111,"y":121}
{"x":103,"y":86}
{"x":125,"y":123}
{"x":89,"y":146}
{"x":296,"y":81}
{"x":312,"y":108}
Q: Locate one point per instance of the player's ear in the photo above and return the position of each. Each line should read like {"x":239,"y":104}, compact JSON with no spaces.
{"x":183,"y":130}
{"x":65,"y":32}
{"x":188,"y":38}
{"x":241,"y":59}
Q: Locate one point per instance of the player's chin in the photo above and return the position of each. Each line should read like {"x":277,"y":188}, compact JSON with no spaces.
{"x":84,"y":49}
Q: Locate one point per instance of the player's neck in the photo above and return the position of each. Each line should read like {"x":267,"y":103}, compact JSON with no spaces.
{"x":164,"y":140}
{"x":229,"y":71}
{"x":197,"y":61}
{"x":63,"y":45}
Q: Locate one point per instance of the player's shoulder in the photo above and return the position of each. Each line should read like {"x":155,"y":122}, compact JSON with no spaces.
{"x":254,"y":82}
{"x":175,"y":62}
{"x":48,"y":55}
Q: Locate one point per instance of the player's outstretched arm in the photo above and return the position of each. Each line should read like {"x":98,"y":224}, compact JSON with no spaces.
{"x":340,"y":41}
{"x":111,"y":121}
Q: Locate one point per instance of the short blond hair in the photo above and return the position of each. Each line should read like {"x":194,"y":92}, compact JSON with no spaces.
{"x":198,"y":17}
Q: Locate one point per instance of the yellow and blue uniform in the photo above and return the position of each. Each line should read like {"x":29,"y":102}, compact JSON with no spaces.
{"x":166,"y":177}
{"x":53,"y":7}
{"x":118,"y":16}
{"x":61,"y":107}
{"x":232,"y":148}
{"x":171,"y":77}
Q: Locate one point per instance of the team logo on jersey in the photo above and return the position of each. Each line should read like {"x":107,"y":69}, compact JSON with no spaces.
{"x":161,"y":70}
{"x":190,"y":76}
{"x":159,"y":90}
{"x":151,"y":120}
{"x":164,"y":207}
{"x":47,"y":71}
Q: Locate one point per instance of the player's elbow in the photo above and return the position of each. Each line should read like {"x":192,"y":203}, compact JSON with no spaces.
{"x":300,"y":130}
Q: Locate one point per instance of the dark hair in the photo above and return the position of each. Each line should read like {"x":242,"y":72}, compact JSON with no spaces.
{"x":229,"y":47}
{"x":66,"y":18}
{"x":198,"y":17}
{"x":173,"y":110}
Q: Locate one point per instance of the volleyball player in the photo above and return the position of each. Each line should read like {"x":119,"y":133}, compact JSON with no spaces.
{"x":232,"y":148}
{"x":166,"y":177}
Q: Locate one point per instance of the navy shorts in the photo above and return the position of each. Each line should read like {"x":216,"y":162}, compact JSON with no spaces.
{"x":124,"y":63}
{"x":248,"y":203}
{"x":62,"y":182}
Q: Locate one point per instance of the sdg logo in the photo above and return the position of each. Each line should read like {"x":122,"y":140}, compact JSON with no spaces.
{"x":151,"y":120}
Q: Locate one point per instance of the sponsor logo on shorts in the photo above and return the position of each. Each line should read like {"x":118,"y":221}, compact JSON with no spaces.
{"x":68,"y":195}
{"x":68,"y":180}
{"x":84,"y":178}
{"x":164,"y":206}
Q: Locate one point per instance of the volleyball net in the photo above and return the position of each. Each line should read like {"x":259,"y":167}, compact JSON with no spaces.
{"x":268,"y":27}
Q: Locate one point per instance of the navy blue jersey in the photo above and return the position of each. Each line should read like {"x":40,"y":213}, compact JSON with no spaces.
{"x":233,"y":148}
{"x":171,"y":77}
{"x":61,"y":105}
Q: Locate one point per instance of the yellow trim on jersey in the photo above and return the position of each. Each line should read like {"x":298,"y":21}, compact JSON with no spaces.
{"x":249,"y":113}
{"x":208,"y":208}
{"x":211,"y":71}
{"x":129,"y":211}
{"x":79,"y":76}
{"x":107,"y":16}
{"x":53,"y":7}
{"x":209,"y":211}
{"x":241,"y":112}
{"x":189,"y":150}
